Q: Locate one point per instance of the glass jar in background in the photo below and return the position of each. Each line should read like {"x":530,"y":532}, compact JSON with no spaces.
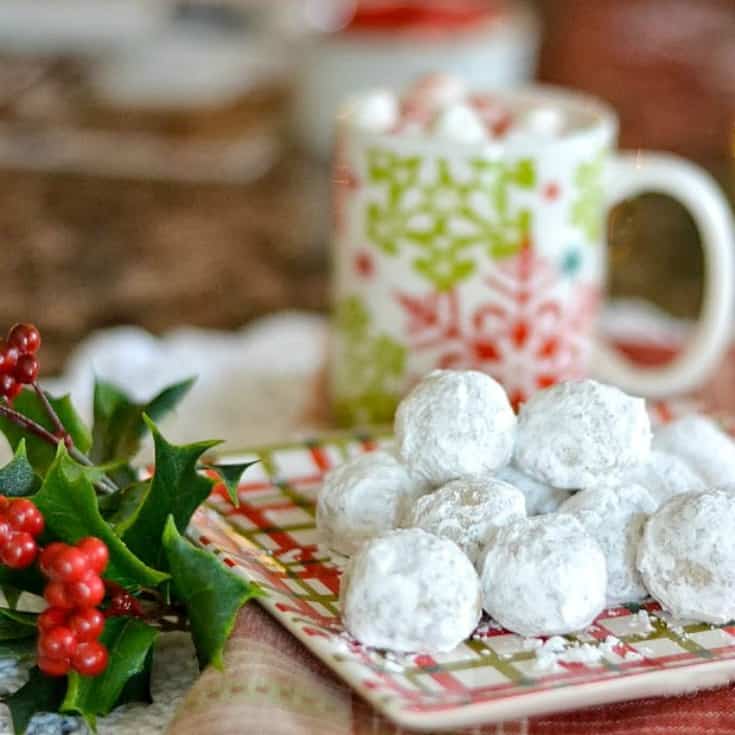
{"x":368,"y":44}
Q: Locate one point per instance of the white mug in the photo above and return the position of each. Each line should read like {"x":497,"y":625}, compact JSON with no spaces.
{"x":492,"y":256}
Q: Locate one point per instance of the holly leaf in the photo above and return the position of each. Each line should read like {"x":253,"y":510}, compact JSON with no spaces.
{"x":40,"y":453}
{"x":129,"y":502}
{"x":17,"y":478}
{"x":18,"y":649}
{"x":69,"y":505}
{"x":118,"y":421}
{"x":129,"y":642}
{"x":177,"y":489}
{"x":138,"y":687}
{"x":15,"y":625}
{"x":11,"y":595}
{"x":230,"y":476}
{"x":211,"y":593}
{"x":23,"y":580}
{"x":39,"y":694}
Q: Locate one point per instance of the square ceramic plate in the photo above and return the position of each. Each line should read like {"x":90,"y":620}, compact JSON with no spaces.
{"x":272,"y":540}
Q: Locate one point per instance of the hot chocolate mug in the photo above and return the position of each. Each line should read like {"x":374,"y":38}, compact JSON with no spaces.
{"x":491,"y":256}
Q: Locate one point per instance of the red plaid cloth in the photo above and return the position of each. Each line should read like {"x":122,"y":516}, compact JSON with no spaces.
{"x":274,"y":686}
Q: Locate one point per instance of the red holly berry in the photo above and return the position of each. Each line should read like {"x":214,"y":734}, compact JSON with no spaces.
{"x":122,"y":604}
{"x":48,"y":555}
{"x":23,"y":515}
{"x":26,"y":371}
{"x":19,"y":551}
{"x":8,"y":357}
{"x":90,"y":658}
{"x":68,"y":565}
{"x":6,"y":530}
{"x":56,"y":595}
{"x":53,"y":617}
{"x":25,"y":337}
{"x":96,"y":552}
{"x":58,"y":642}
{"x":88,"y":623}
{"x":9,"y":387}
{"x":87,"y":592}
{"x":54,"y":666}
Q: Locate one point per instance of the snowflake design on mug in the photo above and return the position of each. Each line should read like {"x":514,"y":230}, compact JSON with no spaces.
{"x":588,"y":207}
{"x":444,"y":217}
{"x":369,"y":368}
{"x":524,"y":335}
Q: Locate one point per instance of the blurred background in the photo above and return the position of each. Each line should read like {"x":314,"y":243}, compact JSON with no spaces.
{"x":166,"y":163}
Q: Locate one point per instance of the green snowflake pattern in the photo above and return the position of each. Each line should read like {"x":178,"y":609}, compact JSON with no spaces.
{"x":369,"y":368}
{"x":587,"y":208}
{"x":448,"y":217}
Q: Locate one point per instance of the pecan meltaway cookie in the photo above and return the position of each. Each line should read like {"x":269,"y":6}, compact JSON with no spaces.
{"x":410,"y":591}
{"x":467,"y":512}
{"x":540,"y":497}
{"x":687,"y":556}
{"x":614,"y":516}
{"x":364,"y":497}
{"x":580,"y":432}
{"x":664,"y":475}
{"x":701,"y":443}
{"x":543,"y":576}
{"x":453,"y":424}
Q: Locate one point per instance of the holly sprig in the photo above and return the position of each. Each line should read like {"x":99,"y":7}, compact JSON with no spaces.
{"x":108,"y":550}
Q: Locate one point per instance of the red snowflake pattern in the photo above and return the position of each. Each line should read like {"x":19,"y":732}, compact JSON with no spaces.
{"x":524,"y":335}
{"x":551,"y":191}
{"x":364,"y":264}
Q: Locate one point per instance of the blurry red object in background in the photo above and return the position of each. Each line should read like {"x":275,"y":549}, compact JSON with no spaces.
{"x":666,"y":65}
{"x":422,"y":15}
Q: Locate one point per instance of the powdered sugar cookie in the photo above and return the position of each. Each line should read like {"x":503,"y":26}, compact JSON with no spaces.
{"x":363,"y":498}
{"x":543,"y":576}
{"x":540,"y":497}
{"x":410,"y":591}
{"x":467,"y":512}
{"x":614,"y":516}
{"x":453,"y":424}
{"x":576,"y":433}
{"x":664,"y":475}
{"x":687,"y":556}
{"x":700,"y":442}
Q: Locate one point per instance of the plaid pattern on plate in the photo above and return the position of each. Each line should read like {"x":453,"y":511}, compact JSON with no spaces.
{"x":496,"y":675}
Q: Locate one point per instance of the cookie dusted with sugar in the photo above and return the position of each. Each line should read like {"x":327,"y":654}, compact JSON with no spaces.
{"x":540,"y":497}
{"x":700,"y":442}
{"x":575,"y":434}
{"x":467,"y":512}
{"x":453,"y":424}
{"x":363,"y":498}
{"x":687,"y":556}
{"x":614,"y":516}
{"x":410,"y":591}
{"x":544,"y":576}
{"x":664,"y":475}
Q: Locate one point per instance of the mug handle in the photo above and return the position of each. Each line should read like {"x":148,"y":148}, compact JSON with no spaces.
{"x":636,"y":173}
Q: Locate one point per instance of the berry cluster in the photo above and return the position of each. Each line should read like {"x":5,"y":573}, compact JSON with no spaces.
{"x":20,"y":523}
{"x":70,"y":627}
{"x":18,"y":363}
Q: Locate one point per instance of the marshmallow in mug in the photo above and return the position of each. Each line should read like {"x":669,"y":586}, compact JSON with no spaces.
{"x":440,"y":106}
{"x":376,"y":110}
